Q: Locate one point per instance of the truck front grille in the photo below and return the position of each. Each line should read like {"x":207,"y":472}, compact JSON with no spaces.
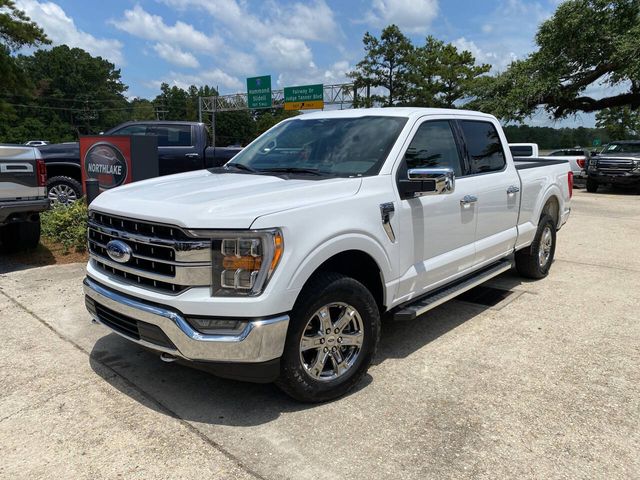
{"x":614,"y":166}
{"x":163,"y":257}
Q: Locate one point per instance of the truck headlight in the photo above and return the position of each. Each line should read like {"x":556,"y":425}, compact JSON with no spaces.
{"x":636,"y":165}
{"x":242,"y":261}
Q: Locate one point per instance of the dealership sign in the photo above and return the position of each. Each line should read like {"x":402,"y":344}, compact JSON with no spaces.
{"x":306,"y":97}
{"x":107,"y":159}
{"x":259,"y":92}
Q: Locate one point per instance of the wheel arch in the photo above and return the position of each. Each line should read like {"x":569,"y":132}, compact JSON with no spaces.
{"x":364,"y":261}
{"x":64,"y":169}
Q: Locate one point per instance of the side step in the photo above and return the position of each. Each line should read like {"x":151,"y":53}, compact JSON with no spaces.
{"x":417,"y":307}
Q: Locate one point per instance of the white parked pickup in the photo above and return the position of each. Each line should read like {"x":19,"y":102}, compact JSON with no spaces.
{"x":279,"y":265}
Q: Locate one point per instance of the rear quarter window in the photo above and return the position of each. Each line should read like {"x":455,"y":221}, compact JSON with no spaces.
{"x":483,"y":146}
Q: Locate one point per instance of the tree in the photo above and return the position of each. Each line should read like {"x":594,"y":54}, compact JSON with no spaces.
{"x":385,"y":65}
{"x":620,"y":123}
{"x":585,"y":43}
{"x":71,"y":85}
{"x":440,"y":74}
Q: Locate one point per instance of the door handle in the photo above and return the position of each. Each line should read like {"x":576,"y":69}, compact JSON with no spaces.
{"x":468,"y":200}
{"x":512,"y":190}
{"x":192,"y":155}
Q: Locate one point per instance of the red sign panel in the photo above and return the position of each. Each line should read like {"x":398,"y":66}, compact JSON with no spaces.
{"x":106,"y":158}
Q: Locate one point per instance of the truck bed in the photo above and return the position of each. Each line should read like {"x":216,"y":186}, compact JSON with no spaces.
{"x":523,"y":163}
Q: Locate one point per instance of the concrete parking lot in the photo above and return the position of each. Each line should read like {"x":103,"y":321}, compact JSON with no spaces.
{"x":543,"y":385}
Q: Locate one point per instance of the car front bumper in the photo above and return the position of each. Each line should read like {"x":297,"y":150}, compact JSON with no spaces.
{"x":166,"y":330}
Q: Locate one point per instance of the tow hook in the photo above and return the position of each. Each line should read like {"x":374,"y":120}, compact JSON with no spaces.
{"x":165,"y":357}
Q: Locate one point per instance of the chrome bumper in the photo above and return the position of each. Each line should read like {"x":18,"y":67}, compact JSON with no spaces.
{"x":260,"y":341}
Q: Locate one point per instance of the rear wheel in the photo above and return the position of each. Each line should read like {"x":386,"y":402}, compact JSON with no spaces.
{"x":332,"y":338}
{"x":592,"y":186}
{"x":535,"y":261}
{"x":64,"y":190}
{"x":20,"y":236}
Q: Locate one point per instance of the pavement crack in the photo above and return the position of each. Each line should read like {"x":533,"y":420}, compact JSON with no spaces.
{"x":149,"y":397}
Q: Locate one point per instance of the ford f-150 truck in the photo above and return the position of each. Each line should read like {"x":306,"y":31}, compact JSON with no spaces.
{"x":22,"y":196}
{"x":279,"y":265}
{"x":182,"y":147}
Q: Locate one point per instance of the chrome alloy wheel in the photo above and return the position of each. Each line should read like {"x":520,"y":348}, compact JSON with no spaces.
{"x":331,"y":341}
{"x":546,"y":242}
{"x":63,"y":194}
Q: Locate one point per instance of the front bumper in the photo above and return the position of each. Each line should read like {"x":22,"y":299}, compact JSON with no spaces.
{"x":262,"y":340}
{"x":20,"y":209}
{"x":627,"y":178}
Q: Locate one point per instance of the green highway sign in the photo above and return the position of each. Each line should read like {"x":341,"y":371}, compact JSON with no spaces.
{"x":597,"y":142}
{"x":304,"y":97}
{"x":259,"y":92}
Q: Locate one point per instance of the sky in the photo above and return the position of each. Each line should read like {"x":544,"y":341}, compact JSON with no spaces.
{"x":222,"y":42}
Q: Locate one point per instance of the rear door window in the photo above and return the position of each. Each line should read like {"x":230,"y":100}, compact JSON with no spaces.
{"x":173,"y":135}
{"x":483,"y":146}
{"x":132,"y":130}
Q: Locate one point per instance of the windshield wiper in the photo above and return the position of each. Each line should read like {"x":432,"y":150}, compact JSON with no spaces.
{"x":312,"y":171}
{"x":240,"y":166}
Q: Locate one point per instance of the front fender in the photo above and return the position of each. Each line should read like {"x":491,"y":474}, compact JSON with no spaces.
{"x":335,"y":245}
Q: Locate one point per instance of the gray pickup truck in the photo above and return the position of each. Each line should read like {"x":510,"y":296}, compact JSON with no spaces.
{"x":23,"y":196}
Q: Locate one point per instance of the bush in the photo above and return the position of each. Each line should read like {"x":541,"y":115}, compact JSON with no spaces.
{"x":66,"y":225}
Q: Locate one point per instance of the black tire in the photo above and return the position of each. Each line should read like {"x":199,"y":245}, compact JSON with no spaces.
{"x":528,"y":261}
{"x":328,"y":288}
{"x":592,"y":186}
{"x":64,"y":190}
{"x":20,"y":236}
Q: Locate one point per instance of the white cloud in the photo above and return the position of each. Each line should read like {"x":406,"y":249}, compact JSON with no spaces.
{"x":499,"y":61}
{"x":140,"y":23}
{"x":214,"y":77}
{"x":287,"y":53}
{"x":412,"y":16}
{"x":61,"y":29}
{"x":176,"y":56}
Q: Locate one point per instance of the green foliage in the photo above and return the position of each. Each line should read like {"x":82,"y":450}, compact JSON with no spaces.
{"x":386,"y":64}
{"x":440,"y":74}
{"x":620,"y":123}
{"x":16,"y":29}
{"x":66,"y":225}
{"x":585,"y":43}
{"x":549,"y":138}
{"x":268,"y":118}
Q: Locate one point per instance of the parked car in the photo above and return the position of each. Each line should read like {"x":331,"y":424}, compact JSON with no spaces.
{"x":23,"y":179}
{"x":182,"y":147}
{"x":279,"y":265}
{"x":577,"y":157}
{"x":36,"y":143}
{"x":617,"y":164}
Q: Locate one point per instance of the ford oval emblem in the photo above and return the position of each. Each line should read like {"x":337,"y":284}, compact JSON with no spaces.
{"x":119,"y":251}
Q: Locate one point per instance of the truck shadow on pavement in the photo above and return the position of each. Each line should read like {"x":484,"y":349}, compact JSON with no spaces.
{"x":194,"y":395}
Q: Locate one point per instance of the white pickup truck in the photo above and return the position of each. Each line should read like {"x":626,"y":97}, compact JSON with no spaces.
{"x":279,"y":265}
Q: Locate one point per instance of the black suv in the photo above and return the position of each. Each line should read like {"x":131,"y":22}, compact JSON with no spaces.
{"x":617,"y":164}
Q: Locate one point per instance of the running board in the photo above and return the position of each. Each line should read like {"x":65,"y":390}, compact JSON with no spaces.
{"x":423,"y":304}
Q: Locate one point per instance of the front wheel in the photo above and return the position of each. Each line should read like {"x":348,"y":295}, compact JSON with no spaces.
{"x":332,"y":339}
{"x":535,"y":261}
{"x":592,"y":186}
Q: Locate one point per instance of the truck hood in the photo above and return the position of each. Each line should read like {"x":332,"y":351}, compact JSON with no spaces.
{"x":203,"y":199}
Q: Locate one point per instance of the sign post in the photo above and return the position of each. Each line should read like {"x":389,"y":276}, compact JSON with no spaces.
{"x":259,"y":92}
{"x":305,"y":97}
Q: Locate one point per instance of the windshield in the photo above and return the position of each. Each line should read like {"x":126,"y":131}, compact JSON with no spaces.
{"x":328,"y":146}
{"x":623,"y":148}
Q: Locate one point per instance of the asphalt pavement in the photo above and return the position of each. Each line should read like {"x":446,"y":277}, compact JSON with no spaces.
{"x":545,"y":384}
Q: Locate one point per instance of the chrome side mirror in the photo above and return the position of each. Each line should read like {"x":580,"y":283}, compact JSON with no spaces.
{"x":433,"y":181}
